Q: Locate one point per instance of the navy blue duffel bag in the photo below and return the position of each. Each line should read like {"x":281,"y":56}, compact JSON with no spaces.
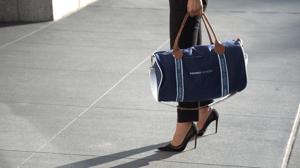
{"x":200,"y":72}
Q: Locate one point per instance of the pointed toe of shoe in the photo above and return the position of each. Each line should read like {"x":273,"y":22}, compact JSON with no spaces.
{"x":170,"y":148}
{"x":166,"y":148}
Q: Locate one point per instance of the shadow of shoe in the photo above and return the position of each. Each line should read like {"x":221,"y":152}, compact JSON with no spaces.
{"x":97,"y":161}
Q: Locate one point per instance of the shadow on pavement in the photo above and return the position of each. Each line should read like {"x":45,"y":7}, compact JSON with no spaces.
{"x":10,"y":24}
{"x":158,"y":155}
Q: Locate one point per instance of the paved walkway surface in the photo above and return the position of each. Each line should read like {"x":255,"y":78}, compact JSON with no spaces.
{"x":75,"y":93}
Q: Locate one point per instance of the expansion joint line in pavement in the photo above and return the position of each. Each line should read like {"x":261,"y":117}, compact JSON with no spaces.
{"x":5,"y":45}
{"x":92,"y":104}
{"x":291,"y":141}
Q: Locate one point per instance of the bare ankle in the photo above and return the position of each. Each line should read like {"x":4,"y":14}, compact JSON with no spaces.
{"x":203,"y":115}
{"x":205,"y":110}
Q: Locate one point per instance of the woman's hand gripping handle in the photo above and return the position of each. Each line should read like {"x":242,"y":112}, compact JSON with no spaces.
{"x":195,"y":7}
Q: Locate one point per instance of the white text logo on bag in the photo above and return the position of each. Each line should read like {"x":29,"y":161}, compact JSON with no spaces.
{"x":201,"y":72}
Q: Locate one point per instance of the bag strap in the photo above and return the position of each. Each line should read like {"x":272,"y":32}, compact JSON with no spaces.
{"x":196,"y":108}
{"x":208,"y":33}
{"x":219,"y":48}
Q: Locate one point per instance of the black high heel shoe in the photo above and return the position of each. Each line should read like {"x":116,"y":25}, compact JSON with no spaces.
{"x":214,"y":115}
{"x":192,"y":132}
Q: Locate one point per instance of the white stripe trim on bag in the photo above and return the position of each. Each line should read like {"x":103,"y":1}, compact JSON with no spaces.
{"x":224,"y":75}
{"x":179,"y":80}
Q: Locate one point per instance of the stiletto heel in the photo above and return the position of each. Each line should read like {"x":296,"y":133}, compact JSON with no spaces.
{"x":192,"y":133}
{"x":217,"y":125}
{"x":214,"y":116}
{"x":195,"y":141}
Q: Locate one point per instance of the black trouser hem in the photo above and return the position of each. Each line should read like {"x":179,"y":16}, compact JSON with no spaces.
{"x":190,"y":115}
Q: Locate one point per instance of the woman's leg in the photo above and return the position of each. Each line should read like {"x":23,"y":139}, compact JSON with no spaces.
{"x":191,"y":36}
{"x":187,"y":38}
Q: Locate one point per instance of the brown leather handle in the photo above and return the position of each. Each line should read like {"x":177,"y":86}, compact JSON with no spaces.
{"x":208,"y":32}
{"x":219,"y":48}
{"x":176,"y":50}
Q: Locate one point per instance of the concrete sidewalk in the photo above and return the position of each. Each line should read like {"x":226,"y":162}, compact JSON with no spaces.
{"x":75,"y":92}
